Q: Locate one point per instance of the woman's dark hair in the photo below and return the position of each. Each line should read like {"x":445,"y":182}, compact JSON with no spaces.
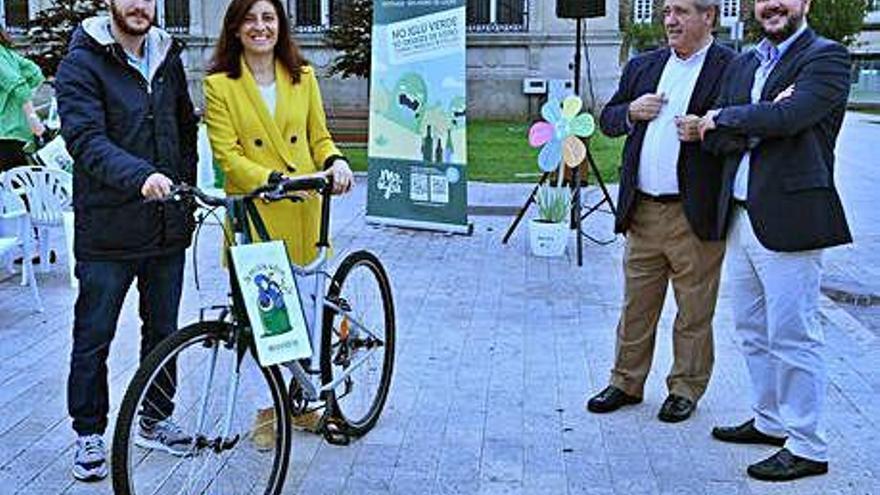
{"x":227,"y":53}
{"x":5,"y":39}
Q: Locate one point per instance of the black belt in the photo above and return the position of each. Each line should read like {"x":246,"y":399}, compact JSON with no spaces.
{"x":660,"y":198}
{"x":742,"y":204}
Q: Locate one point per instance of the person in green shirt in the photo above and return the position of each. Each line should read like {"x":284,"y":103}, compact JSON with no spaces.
{"x":19,"y":123}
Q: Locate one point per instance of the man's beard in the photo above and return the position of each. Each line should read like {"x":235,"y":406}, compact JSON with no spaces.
{"x":792,"y":23}
{"x":119,"y":18}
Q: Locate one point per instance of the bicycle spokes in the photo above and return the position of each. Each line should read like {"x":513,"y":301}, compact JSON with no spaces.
{"x":230,"y":411}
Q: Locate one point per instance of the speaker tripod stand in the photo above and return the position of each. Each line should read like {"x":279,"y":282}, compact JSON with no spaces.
{"x":577,"y":217}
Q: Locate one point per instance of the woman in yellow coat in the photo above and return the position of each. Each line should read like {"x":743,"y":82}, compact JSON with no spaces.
{"x":265,"y":117}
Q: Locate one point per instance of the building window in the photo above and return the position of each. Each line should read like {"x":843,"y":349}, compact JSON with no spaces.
{"x":496,"y":15}
{"x":315,"y":15}
{"x":307,"y":15}
{"x":16,"y":15}
{"x":482,"y":15}
{"x":174,"y":15}
{"x":729,"y":12}
{"x":643,"y":11}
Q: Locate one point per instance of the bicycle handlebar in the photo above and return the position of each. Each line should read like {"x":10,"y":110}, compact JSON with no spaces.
{"x":272,"y":191}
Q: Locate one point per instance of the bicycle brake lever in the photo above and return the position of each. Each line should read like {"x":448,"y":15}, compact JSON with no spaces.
{"x":272,"y":196}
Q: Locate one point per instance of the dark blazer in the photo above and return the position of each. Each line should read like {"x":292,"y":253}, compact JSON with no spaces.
{"x":119,"y":132}
{"x":792,"y":202}
{"x":699,"y":172}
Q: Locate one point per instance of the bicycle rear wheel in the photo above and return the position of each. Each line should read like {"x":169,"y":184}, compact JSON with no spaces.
{"x":357,"y":345}
{"x":224,"y":420}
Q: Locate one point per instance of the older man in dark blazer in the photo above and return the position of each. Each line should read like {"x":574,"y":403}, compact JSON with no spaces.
{"x":668,"y":209}
{"x":781,"y":108}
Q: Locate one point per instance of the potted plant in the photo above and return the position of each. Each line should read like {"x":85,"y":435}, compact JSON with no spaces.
{"x":559,"y":135}
{"x":548,"y":232}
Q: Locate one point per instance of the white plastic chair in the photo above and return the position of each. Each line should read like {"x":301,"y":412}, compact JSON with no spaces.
{"x":16,"y":238}
{"x":49,"y":193}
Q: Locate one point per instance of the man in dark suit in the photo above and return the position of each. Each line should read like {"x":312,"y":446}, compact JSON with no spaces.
{"x":668,"y":209}
{"x":780,"y":110}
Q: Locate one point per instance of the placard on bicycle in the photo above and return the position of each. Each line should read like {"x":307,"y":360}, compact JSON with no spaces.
{"x":271,"y":298}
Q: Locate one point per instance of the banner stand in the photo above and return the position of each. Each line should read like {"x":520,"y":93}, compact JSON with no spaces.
{"x":417,"y":150}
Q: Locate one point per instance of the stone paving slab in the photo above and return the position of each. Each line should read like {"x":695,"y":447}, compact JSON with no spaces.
{"x":497,"y":351}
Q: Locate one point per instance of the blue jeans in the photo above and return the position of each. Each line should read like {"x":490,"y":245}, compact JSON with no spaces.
{"x":102,"y":289}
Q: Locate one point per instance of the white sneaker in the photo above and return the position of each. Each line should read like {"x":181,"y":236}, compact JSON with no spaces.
{"x":90,"y":460}
{"x":164,"y":435}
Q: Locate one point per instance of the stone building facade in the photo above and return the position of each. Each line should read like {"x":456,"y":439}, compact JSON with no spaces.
{"x":508,"y":41}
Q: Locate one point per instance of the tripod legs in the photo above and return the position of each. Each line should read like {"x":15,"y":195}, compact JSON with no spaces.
{"x":525,"y":207}
{"x":577,"y":216}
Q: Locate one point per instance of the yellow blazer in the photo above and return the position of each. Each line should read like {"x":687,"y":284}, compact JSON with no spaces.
{"x":249,"y":144}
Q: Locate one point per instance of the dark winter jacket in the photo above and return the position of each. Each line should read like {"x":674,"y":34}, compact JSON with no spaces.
{"x":120,"y":128}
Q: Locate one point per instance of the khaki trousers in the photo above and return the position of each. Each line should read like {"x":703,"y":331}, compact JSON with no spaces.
{"x":661,"y":247}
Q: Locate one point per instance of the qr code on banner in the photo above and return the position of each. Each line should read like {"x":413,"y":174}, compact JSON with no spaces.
{"x":439,"y":189}
{"x":418,"y":187}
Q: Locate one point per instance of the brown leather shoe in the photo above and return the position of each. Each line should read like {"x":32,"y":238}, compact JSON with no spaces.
{"x":746,"y":433}
{"x":676,"y":409}
{"x":263,"y":431}
{"x":785,"y":466}
{"x":611,"y":399}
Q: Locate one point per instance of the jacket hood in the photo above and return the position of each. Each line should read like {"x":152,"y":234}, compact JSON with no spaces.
{"x":94,"y":34}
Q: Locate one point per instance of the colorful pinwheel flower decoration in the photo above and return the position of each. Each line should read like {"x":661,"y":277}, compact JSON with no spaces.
{"x":560,"y":134}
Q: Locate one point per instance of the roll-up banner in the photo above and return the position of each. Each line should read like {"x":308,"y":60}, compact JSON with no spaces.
{"x":418,"y":147}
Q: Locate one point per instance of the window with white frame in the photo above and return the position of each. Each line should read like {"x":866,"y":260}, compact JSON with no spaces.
{"x":729,"y":12}
{"x":16,"y":15}
{"x":314,"y":15}
{"x":497,"y":15}
{"x":173,"y":15}
{"x":309,"y":15}
{"x":482,"y":15}
{"x":643,"y":11}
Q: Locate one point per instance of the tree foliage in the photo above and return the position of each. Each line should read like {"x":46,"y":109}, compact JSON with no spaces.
{"x":839,"y":20}
{"x":641,"y":36}
{"x":351,"y":35}
{"x":50,"y":32}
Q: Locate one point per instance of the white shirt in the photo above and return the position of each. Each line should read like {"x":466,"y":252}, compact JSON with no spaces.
{"x":268,"y":93}
{"x":768,"y":55}
{"x":658,"y":164}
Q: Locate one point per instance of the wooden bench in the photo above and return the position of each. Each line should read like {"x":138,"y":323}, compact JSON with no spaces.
{"x":349,"y":127}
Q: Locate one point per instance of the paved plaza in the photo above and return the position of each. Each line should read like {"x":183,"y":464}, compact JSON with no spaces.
{"x":497,"y":351}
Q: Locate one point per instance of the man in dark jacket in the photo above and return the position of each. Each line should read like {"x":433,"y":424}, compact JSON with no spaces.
{"x":667,"y":208}
{"x":128,"y":120}
{"x":777,"y":121}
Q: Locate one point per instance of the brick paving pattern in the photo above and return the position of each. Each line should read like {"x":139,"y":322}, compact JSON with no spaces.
{"x":497,"y":352}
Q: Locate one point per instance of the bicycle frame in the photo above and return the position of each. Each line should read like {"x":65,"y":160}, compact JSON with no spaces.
{"x":313,"y":389}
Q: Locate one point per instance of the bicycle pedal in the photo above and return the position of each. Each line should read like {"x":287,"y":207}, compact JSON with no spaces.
{"x":334,"y":434}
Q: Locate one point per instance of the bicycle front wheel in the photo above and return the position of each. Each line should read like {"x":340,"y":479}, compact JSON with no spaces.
{"x":201,"y":416}
{"x":357,"y":346}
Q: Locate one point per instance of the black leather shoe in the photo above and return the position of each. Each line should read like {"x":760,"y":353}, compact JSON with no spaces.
{"x":611,"y":399}
{"x":785,"y":466}
{"x":746,"y":433}
{"x":676,"y":408}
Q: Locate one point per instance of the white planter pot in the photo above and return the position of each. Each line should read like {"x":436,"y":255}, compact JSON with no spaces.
{"x":548,"y":239}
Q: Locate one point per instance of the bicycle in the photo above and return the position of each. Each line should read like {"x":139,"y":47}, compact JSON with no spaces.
{"x":183,"y":380}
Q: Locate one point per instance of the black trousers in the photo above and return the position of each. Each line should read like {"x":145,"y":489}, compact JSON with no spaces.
{"x":102,"y":289}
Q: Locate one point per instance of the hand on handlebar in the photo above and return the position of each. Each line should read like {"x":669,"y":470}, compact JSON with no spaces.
{"x":157,"y":186}
{"x":341,"y":177}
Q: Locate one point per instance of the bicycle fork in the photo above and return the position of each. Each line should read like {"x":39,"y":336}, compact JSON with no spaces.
{"x":222,"y":442}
